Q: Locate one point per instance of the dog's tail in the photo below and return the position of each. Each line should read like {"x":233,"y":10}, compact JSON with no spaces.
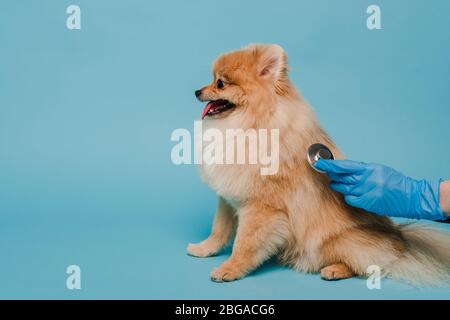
{"x":426,"y":260}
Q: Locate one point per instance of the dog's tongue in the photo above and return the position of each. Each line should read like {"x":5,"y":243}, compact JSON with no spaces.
{"x":212,"y":105}
{"x":208,"y":107}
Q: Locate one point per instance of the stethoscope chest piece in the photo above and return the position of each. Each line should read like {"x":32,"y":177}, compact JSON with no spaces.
{"x":317,"y":152}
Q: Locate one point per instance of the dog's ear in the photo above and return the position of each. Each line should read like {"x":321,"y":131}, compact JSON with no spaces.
{"x":272,"y":64}
{"x":272,"y":61}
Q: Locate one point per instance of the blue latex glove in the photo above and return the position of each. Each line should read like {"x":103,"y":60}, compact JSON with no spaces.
{"x":382,"y":190}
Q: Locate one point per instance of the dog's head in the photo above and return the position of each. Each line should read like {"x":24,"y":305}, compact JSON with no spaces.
{"x":246,"y":80}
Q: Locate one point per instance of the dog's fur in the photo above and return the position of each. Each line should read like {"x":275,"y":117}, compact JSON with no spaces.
{"x":294,"y":214}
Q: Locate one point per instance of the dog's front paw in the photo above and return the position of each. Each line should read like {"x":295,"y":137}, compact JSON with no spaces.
{"x":226,"y":273}
{"x":201,"y":250}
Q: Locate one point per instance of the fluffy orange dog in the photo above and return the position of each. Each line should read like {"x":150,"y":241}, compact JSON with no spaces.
{"x":293,"y":214}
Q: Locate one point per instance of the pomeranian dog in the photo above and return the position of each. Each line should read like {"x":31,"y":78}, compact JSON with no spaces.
{"x":293,"y":214}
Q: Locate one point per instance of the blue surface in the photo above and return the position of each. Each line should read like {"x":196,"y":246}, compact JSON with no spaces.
{"x":86,"y":117}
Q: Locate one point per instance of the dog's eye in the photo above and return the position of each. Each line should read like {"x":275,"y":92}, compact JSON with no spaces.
{"x":219,"y":84}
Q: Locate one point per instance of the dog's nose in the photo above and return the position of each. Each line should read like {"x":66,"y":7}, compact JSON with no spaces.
{"x":198,"y":93}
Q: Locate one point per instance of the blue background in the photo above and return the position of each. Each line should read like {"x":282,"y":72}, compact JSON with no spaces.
{"x":86,"y":117}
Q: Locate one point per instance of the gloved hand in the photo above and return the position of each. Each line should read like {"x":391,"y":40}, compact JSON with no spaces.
{"x":383,"y":190}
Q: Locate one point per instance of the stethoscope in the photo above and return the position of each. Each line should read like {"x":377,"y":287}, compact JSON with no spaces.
{"x":317,"y":152}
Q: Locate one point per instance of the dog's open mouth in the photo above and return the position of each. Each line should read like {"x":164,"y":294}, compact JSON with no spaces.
{"x":216,"y":107}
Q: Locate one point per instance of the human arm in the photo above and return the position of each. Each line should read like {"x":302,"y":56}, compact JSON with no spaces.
{"x":385,"y":191}
{"x":445,"y":197}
